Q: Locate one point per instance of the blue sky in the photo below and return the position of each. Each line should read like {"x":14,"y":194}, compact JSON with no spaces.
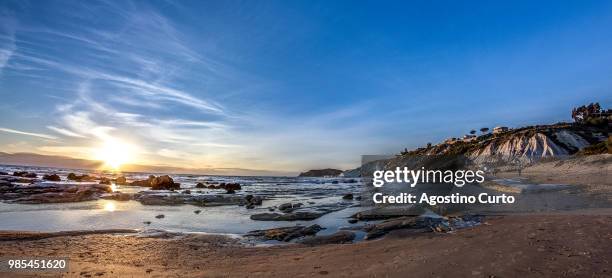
{"x":289,"y":85}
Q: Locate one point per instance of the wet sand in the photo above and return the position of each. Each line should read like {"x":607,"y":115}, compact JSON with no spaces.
{"x":554,"y":245}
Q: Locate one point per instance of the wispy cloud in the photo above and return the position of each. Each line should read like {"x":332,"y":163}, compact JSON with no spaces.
{"x":65,"y":132}
{"x":40,"y":135}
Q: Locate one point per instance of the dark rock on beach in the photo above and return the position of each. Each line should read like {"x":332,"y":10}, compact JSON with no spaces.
{"x":286,"y":233}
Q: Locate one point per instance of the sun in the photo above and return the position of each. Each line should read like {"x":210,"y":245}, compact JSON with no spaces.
{"x":114,"y":153}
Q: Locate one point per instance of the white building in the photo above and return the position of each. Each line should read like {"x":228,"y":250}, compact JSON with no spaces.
{"x":499,"y":129}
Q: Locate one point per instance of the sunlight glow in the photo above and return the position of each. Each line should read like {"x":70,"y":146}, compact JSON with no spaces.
{"x":114,"y":153}
{"x":110,"y":206}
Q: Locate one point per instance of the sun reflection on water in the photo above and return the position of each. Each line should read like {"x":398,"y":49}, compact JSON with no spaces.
{"x":110,"y":206}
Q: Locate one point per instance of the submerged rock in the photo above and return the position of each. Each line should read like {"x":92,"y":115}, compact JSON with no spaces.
{"x":293,"y":216}
{"x":154,"y":198}
{"x":286,"y":233}
{"x":335,"y":238}
{"x":200,"y":185}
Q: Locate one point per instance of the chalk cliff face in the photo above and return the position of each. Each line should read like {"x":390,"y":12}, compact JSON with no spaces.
{"x":527,"y":148}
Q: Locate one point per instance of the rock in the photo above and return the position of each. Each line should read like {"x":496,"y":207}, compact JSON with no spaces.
{"x":197,"y":211}
{"x":200,"y":185}
{"x":104,"y":180}
{"x":80,"y":178}
{"x":334,"y":182}
{"x":229,"y":187}
{"x":160,"y":216}
{"x":285,"y":206}
{"x":153,"y":198}
{"x":353,"y":221}
{"x":335,"y":238}
{"x":286,"y":233}
{"x":416,"y":224}
{"x":351,"y":181}
{"x":321,"y":173}
{"x":52,"y":193}
{"x":187,"y":191}
{"x":348,"y":197}
{"x":3,"y":173}
{"x":289,"y":207}
{"x":52,"y":177}
{"x":121,"y":180}
{"x":147,"y":222}
{"x":252,"y":201}
{"x":164,"y":182}
{"x":24,"y":174}
{"x":294,"y":216}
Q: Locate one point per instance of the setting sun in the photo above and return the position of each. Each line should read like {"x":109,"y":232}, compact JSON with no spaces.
{"x":114,"y":153}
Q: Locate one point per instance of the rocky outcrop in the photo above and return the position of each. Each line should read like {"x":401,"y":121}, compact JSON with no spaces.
{"x":321,"y":173}
{"x":285,"y":233}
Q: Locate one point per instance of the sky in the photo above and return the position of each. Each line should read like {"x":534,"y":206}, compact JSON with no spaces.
{"x":289,"y":85}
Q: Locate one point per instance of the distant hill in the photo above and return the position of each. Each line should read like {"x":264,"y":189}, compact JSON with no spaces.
{"x":32,"y":159}
{"x":321,"y":173}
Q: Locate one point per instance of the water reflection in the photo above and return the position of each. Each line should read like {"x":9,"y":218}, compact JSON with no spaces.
{"x":110,"y":206}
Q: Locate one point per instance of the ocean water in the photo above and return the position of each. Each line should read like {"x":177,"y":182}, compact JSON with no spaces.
{"x":231,"y":219}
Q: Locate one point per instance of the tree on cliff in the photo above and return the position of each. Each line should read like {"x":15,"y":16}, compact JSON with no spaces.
{"x":484,"y":130}
{"x":583,"y":113}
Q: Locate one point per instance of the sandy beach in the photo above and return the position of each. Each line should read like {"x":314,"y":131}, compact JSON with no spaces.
{"x":568,"y":245}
